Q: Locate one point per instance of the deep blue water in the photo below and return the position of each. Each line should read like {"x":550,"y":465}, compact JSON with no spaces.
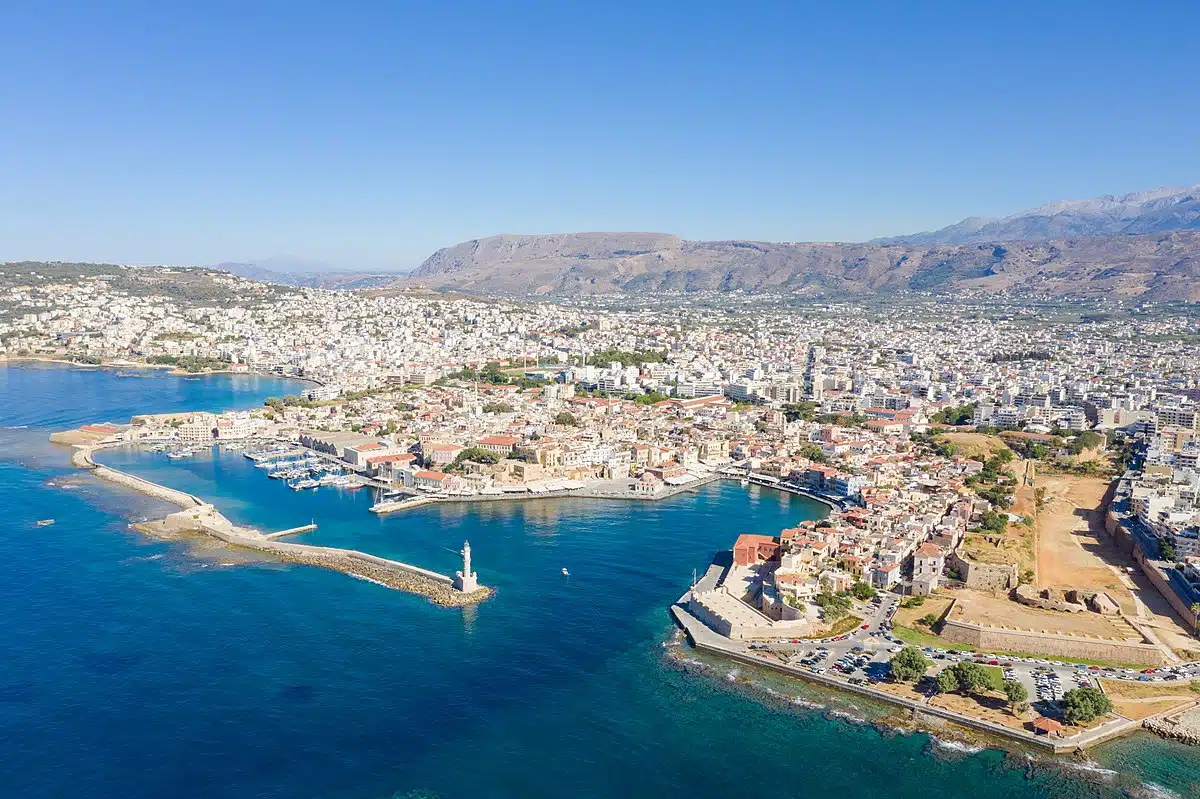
{"x":134,"y":668}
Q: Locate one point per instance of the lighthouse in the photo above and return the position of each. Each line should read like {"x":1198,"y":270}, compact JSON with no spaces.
{"x":465,"y":580}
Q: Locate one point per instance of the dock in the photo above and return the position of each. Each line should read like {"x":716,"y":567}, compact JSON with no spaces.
{"x":392,"y":506}
{"x":304,"y":528}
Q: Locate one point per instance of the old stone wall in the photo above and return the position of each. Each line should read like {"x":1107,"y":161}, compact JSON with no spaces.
{"x":984,"y":576}
{"x":998,"y":639}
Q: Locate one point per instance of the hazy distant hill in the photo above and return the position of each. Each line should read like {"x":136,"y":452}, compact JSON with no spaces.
{"x":322,"y":278}
{"x":1162,"y":266}
{"x":1153,"y":211}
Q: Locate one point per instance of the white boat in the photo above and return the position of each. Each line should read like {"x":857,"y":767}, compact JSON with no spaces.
{"x":45,"y":522}
{"x":565,"y":572}
{"x":179,"y":454}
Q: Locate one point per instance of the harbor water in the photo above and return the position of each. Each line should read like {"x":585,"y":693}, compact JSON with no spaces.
{"x":142,"y":668}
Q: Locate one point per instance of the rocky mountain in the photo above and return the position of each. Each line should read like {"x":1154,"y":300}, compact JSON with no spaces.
{"x":1142,"y":212}
{"x":1160,"y":266}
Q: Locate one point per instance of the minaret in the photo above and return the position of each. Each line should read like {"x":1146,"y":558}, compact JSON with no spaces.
{"x":465,"y":580}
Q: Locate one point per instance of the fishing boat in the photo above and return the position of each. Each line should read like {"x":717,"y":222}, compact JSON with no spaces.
{"x":302,"y":485}
{"x":45,"y":522}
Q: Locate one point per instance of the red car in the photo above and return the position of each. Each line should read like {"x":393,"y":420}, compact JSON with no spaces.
{"x":993,"y":663}
{"x":1147,"y":671}
{"x":866,"y":626}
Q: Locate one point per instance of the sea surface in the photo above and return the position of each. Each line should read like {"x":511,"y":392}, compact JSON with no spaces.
{"x":131,"y":667}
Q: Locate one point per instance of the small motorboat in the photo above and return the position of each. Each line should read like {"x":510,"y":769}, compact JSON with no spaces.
{"x":45,"y":522}
{"x":566,"y":573}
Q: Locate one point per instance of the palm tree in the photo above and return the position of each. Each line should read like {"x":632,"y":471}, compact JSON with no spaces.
{"x":1195,"y":608}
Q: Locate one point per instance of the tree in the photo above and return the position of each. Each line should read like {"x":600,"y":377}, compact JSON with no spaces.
{"x":1195,"y":609}
{"x":929,"y":619}
{"x":833,"y":606}
{"x":993,"y":522}
{"x":962,"y":414}
{"x":1081,"y":705}
{"x":947,"y":681}
{"x":566,"y":419}
{"x":800,"y":410}
{"x":970,"y":677}
{"x":813,"y":452}
{"x":478,"y":455}
{"x":909,"y":665}
{"x":1015,"y":692}
{"x":274,"y":402}
{"x":862,"y":591}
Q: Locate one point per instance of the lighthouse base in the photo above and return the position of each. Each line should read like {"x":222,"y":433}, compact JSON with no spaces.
{"x":466,"y":583}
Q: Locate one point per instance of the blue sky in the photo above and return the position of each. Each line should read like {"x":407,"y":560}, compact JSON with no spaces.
{"x":370,"y":134}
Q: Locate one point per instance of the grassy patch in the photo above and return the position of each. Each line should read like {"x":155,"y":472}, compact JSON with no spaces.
{"x":917,"y":638}
{"x":995,"y":678}
{"x":840,"y":627}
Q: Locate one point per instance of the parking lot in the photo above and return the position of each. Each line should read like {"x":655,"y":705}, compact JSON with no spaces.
{"x":862,"y":656}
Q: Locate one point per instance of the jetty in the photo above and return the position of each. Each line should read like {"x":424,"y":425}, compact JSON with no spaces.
{"x":304,"y":528}
{"x":201,"y":518}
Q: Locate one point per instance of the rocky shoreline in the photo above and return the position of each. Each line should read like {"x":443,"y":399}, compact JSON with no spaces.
{"x":1183,"y":726}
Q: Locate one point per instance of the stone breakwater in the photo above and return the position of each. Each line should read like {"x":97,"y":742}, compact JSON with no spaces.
{"x":199,"y":517}
{"x":1184,"y":727}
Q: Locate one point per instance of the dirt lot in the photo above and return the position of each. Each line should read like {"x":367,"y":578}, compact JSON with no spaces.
{"x":907,"y":617}
{"x":973,"y":444}
{"x":1142,"y":700}
{"x":1123,"y":689}
{"x":1074,"y":551}
{"x":981,"y":608}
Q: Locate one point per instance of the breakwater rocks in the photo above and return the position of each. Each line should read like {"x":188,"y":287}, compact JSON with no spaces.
{"x":1184,"y":727}
{"x":346,"y":562}
{"x":201,"y":518}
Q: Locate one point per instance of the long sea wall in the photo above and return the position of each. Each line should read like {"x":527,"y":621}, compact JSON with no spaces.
{"x":201,"y":517}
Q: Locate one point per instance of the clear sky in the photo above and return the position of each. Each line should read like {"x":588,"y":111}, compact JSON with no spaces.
{"x":370,"y":134}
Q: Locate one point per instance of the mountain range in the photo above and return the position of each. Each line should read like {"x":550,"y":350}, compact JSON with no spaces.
{"x":1162,"y":266}
{"x":1143,"y":245}
{"x":1141,"y":212}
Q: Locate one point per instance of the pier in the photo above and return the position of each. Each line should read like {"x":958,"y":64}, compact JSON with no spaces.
{"x":304,"y":528}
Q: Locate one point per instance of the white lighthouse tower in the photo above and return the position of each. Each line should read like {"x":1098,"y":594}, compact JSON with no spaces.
{"x":465,"y":580}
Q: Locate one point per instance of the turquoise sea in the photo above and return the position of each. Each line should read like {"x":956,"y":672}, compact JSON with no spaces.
{"x":137,"y":668}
